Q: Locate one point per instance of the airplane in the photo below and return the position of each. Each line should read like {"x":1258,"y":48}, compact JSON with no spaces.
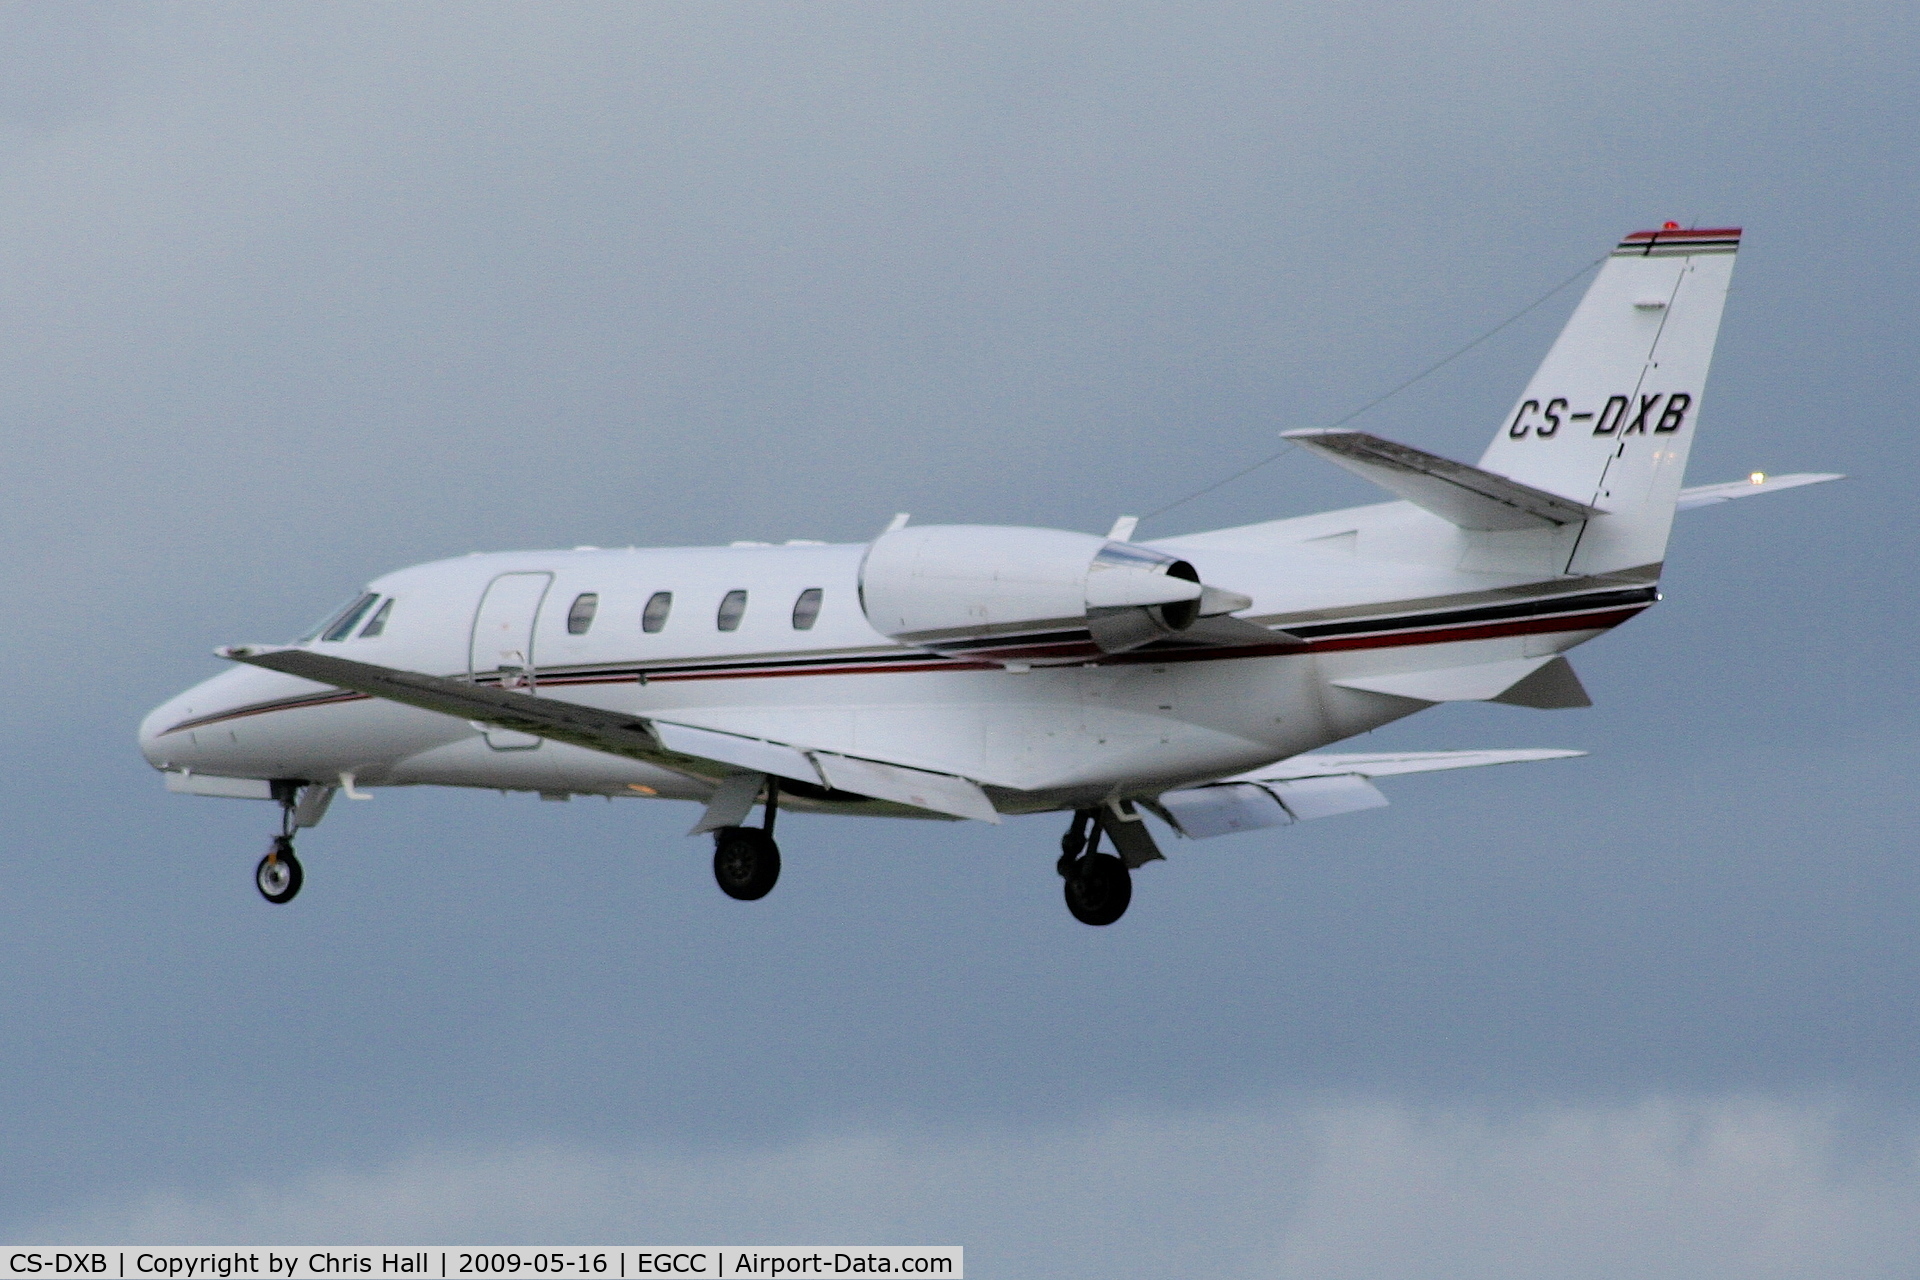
{"x":970,"y":672}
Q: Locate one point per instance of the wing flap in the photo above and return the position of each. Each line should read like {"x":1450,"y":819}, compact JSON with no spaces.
{"x":940,"y":792}
{"x":1200,"y":813}
{"x":1459,"y":494}
{"x":1309,"y":798}
{"x":757,"y":755}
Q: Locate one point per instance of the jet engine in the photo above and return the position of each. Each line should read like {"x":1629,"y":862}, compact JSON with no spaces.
{"x":1029,"y":595}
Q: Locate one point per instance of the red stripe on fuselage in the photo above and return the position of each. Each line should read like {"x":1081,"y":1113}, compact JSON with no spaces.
{"x":1599,"y":621}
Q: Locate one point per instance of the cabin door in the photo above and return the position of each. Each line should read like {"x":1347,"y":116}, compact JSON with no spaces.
{"x":502,"y":644}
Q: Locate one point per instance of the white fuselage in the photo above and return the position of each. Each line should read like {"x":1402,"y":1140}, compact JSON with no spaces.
{"x":1048,"y":737}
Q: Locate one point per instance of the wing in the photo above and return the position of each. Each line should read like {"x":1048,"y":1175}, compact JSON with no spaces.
{"x":694,"y":750}
{"x":1315,"y":786}
{"x":1706,"y":495}
{"x":1393,"y":763}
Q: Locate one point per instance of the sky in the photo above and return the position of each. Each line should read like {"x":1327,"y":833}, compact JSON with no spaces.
{"x":297,"y":294}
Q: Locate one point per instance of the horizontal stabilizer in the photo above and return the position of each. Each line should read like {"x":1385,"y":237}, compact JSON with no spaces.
{"x":1457,"y":493}
{"x":1546,"y":683}
{"x":1706,"y":495}
{"x":701,"y":753}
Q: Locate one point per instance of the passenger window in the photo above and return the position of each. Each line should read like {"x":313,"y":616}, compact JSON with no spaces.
{"x":806,"y":609}
{"x":733,"y":607}
{"x":580,"y":617}
{"x":350,"y":618}
{"x":659,"y":605}
{"x":378,"y":625}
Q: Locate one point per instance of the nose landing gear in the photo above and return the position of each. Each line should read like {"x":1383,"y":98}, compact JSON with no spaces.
{"x":746,"y":861}
{"x":1098,"y":885}
{"x":278,"y":876}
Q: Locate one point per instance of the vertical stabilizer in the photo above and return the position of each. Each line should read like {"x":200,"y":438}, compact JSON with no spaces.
{"x":1609,"y":417}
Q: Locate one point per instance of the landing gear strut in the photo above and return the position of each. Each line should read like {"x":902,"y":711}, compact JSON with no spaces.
{"x":279,"y":877}
{"x":746,"y":861}
{"x":1098,"y":885}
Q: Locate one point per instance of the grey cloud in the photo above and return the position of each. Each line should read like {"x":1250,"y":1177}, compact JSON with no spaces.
{"x":298,"y":294}
{"x":1303,"y":1190}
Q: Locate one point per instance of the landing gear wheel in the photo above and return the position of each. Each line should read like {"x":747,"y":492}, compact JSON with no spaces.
{"x":746,"y":862}
{"x":1099,"y":887}
{"x":278,"y":877}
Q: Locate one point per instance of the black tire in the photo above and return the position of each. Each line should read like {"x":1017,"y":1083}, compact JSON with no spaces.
{"x":1099,"y":887}
{"x":279,"y":877}
{"x":746,"y":862}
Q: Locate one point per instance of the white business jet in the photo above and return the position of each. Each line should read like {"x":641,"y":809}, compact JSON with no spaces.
{"x":973,"y":671}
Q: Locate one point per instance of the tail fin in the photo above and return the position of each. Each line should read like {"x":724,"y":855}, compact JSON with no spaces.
{"x":1609,"y":417}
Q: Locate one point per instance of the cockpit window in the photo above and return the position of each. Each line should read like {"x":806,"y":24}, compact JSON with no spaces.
{"x":340,"y":624}
{"x":733,"y":607}
{"x":659,"y":605}
{"x":580,"y":617}
{"x":806,"y":610}
{"x":378,"y":624}
{"x":325,"y":625}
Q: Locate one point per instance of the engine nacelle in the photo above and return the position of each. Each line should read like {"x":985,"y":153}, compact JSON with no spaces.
{"x":1024,"y":595}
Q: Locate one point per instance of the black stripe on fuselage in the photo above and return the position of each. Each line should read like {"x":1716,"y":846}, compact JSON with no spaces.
{"x":1489,"y":613}
{"x":1598,"y":609}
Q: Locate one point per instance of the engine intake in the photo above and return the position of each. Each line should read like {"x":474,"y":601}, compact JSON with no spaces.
{"x":1030,"y":595}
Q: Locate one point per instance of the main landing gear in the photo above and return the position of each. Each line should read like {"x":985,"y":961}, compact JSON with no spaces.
{"x":746,"y":861}
{"x":1098,"y":885}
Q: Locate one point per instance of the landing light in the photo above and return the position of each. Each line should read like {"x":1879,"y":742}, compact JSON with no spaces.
{"x":1758,"y":477}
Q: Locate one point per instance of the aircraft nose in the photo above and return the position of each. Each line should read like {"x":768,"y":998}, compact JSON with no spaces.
{"x":162,"y":738}
{"x":153,"y":727}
